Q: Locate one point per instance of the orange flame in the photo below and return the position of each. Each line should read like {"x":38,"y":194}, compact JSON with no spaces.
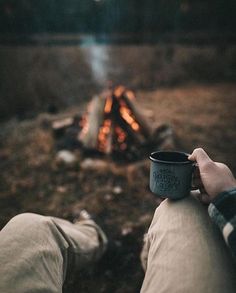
{"x":108,"y":105}
{"x":109,"y":129}
{"x":119,"y":91}
{"x":127,"y":116}
{"x":130,"y":95}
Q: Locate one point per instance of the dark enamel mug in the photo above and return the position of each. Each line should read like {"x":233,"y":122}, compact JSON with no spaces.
{"x":171,"y":174}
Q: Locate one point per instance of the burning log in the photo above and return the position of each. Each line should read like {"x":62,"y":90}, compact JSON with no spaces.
{"x":91,"y":123}
{"x":60,"y":126}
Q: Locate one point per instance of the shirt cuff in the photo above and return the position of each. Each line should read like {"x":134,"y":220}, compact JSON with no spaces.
{"x":222,"y":210}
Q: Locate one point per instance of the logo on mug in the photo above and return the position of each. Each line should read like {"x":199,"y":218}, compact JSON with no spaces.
{"x":166,"y":180}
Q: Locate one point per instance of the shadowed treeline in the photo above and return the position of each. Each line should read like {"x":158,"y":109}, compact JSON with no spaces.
{"x":35,"y":77}
{"x":112,"y":16}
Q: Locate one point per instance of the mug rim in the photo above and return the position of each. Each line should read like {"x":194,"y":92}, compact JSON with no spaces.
{"x":170,"y":162}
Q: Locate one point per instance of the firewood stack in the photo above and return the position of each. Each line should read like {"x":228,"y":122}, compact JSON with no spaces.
{"x":115,"y":125}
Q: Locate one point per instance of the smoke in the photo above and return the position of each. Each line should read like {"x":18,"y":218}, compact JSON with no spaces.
{"x":97,"y":58}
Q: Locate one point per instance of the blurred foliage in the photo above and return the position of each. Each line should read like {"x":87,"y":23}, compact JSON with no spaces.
{"x":105,"y":16}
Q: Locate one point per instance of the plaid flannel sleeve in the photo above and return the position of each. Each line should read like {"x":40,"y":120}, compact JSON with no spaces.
{"x":223,"y":212}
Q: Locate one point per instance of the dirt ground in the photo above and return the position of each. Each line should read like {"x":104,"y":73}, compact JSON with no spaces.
{"x":116,"y":194}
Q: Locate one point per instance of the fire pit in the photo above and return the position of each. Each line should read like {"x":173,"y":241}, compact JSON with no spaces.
{"x":114,"y":125}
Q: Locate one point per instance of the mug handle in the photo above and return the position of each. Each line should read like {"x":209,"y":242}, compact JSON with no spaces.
{"x":195,"y":174}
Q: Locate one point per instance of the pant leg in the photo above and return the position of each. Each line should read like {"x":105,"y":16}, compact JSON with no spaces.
{"x":184,"y":252}
{"x":36,"y":252}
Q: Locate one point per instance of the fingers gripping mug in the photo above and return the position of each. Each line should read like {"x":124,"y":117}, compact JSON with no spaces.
{"x":171,"y":174}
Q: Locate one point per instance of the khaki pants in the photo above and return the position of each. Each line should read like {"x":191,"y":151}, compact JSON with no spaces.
{"x":184,"y":252}
{"x":38,"y":253}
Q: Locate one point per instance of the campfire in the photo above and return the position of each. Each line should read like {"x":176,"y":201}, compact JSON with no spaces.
{"x":114,"y":125}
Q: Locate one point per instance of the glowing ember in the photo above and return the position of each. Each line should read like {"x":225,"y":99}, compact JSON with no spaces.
{"x":84,"y":124}
{"x":123,"y":146}
{"x":103,"y":135}
{"x":121,"y":135}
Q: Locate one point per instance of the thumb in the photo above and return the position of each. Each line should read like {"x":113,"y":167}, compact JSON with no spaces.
{"x":200,"y":156}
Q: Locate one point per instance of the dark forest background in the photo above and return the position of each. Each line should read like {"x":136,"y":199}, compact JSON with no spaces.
{"x":116,"y":16}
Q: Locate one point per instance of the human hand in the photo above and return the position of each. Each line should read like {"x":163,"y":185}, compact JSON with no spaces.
{"x":212,"y":177}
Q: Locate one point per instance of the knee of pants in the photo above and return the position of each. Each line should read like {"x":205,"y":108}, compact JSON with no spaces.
{"x":26,"y":218}
{"x":187,"y":208}
{"x":29,"y":223}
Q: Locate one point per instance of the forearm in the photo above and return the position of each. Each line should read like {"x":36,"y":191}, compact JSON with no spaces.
{"x":222,"y":210}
